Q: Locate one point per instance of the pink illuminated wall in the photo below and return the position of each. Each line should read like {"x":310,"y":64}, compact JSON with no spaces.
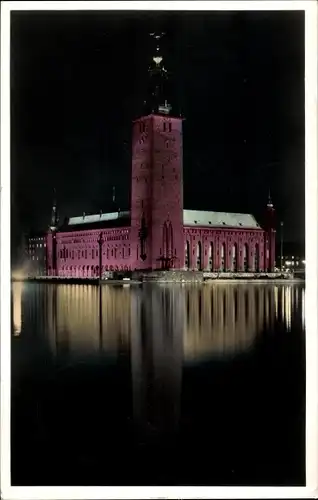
{"x":77,"y":253}
{"x":157,"y":190}
{"x":203,"y":249}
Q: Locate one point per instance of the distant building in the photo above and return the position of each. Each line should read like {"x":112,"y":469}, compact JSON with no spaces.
{"x":36,"y":249}
{"x":157,"y":232}
{"x":293,"y":257}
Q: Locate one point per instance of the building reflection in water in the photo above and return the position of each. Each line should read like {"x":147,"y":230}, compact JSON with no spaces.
{"x":88,"y":318}
{"x":17,"y":290}
{"x":164,"y":328}
{"x":214,"y":319}
{"x":224,"y":319}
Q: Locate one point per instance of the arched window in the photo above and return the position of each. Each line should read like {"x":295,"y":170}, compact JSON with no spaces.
{"x":234,"y":258}
{"x":199,"y":256}
{"x":222,"y":259}
{"x":211,"y":256}
{"x":245,"y":258}
{"x":187,"y":255}
{"x":256,"y":258}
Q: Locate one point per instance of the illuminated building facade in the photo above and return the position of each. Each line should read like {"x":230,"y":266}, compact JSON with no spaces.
{"x":157,"y":232}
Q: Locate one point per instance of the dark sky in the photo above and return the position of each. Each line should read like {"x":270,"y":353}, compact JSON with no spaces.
{"x":78,"y":80}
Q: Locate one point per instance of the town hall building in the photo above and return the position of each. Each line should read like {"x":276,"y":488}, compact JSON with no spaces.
{"x":158,"y":232}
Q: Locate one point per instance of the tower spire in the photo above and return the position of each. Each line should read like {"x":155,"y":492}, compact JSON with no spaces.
{"x":54,"y":214}
{"x":157,"y":101}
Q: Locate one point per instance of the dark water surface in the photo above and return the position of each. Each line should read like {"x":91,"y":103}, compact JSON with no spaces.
{"x":160,"y":385}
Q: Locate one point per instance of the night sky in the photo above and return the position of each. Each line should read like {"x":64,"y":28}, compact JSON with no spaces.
{"x":78,"y":79}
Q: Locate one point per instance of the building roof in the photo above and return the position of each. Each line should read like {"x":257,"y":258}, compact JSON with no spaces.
{"x":219,"y":219}
{"x":91,"y":219}
{"x":190,"y":218}
{"x":96,"y":221}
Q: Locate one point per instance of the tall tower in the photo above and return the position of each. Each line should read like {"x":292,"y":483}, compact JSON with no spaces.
{"x":51,"y":252}
{"x":157,"y":177}
{"x":270,"y":236}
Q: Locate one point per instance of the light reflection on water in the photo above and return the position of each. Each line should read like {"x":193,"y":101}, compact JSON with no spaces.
{"x":160,"y":333}
{"x":210,"y":320}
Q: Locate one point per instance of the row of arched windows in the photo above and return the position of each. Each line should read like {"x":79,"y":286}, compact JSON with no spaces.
{"x":83,"y":254}
{"x":218,"y":261}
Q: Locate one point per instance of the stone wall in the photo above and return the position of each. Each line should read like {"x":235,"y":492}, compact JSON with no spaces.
{"x":173,"y":276}
{"x":208,"y":275}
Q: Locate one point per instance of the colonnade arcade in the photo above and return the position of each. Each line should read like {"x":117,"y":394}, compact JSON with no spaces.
{"x":224,"y":256}
{"x":88,"y":271}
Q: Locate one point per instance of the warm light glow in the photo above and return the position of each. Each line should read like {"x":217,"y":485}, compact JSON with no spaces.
{"x":17,"y":289}
{"x":21,"y":273}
